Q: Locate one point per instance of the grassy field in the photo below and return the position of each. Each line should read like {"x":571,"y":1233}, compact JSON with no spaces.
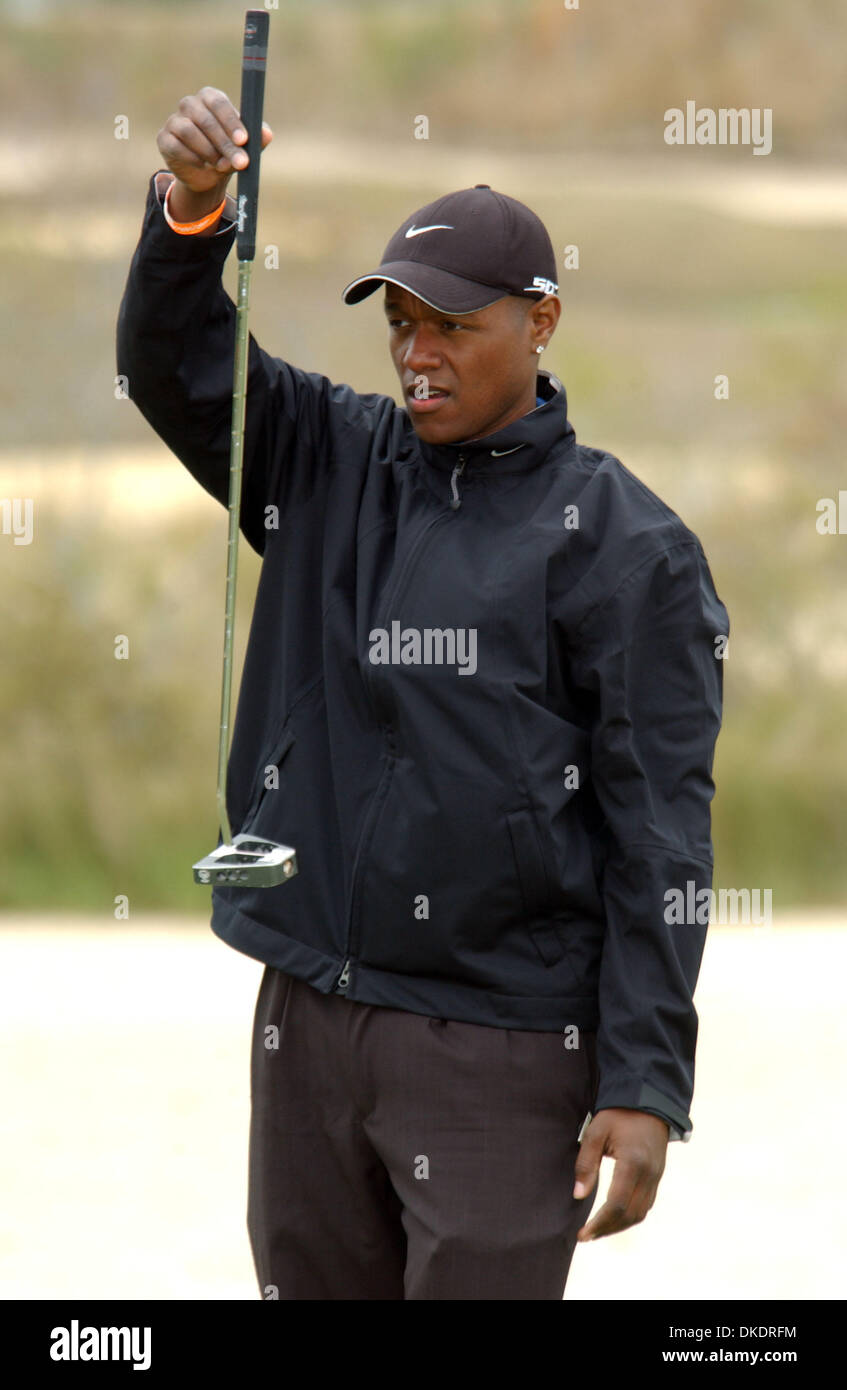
{"x":687,"y":270}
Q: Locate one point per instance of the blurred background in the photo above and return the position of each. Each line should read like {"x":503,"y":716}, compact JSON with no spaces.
{"x":694,"y":262}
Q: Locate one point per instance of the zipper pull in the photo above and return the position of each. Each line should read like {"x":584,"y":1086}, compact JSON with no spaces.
{"x":343,"y":979}
{"x":457,"y":472}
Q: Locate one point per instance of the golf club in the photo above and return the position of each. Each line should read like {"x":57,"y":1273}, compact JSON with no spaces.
{"x":246,"y":860}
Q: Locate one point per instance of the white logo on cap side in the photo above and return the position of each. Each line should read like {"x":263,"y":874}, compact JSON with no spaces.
{"x":540,"y":282}
{"x":437,"y":226}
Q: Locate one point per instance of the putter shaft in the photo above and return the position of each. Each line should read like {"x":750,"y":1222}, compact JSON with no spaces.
{"x":247,"y":861}
{"x":239,"y":392}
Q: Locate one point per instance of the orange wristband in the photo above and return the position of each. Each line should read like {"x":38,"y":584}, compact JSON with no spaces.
{"x":190,"y":228}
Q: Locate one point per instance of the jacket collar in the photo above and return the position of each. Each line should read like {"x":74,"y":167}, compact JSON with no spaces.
{"x":518,"y":447}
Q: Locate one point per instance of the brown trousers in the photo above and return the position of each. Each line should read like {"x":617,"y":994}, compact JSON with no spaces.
{"x":397,"y":1156}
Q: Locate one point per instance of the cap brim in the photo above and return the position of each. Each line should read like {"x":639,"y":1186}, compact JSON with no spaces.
{"x":440,"y":289}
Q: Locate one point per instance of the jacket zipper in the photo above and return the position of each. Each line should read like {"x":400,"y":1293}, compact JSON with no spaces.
{"x":382,"y":787}
{"x":364,"y":842}
{"x":456,"y":500}
{"x":401,"y":584}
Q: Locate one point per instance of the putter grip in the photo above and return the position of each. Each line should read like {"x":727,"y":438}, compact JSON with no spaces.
{"x":253,"y":63}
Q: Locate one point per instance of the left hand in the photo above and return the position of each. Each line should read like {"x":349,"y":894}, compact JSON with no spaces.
{"x":638,"y":1144}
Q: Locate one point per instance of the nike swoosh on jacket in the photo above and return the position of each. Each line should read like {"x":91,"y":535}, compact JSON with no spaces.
{"x":495,"y":846}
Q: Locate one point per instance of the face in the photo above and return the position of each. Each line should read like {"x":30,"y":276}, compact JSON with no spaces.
{"x":466,"y":375}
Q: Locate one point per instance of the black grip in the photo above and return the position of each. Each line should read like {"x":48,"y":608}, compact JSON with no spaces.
{"x":253,"y":63}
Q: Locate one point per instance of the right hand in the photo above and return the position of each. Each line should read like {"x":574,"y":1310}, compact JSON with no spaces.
{"x":201,"y":142}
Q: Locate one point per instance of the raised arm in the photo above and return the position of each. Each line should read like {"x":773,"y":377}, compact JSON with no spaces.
{"x":176,"y":332}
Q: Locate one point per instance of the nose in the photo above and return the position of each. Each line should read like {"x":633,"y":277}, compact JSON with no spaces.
{"x":421,"y":349}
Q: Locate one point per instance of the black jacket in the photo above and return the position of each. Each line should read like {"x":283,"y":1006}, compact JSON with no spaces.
{"x":489,"y":836}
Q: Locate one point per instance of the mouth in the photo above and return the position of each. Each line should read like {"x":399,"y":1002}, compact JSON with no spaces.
{"x":434,"y":398}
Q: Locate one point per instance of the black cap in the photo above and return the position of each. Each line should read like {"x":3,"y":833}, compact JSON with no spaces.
{"x":464,"y":251}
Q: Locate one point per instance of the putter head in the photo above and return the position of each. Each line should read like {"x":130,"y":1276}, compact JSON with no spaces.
{"x":249,"y":862}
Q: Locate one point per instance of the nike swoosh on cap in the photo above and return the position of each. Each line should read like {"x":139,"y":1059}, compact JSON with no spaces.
{"x":436,"y":226}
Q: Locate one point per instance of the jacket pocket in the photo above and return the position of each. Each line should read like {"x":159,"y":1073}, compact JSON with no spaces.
{"x":546,"y":928}
{"x":529,"y":862}
{"x":283,"y":747}
{"x":576,"y":941}
{"x":549,"y":943}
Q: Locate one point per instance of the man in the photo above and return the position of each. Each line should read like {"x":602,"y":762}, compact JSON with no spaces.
{"x":480,"y":698}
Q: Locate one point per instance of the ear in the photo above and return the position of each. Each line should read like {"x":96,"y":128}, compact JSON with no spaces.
{"x":545,"y":314}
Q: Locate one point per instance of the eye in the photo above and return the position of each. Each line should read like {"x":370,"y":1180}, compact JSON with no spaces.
{"x":448,"y":323}
{"x":395,"y":323}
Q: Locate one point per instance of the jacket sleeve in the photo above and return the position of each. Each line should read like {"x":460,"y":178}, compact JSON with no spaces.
{"x":649,"y":662}
{"x":175,"y":348}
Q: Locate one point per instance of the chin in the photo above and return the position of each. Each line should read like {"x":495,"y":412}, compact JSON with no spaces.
{"x":438,"y":431}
